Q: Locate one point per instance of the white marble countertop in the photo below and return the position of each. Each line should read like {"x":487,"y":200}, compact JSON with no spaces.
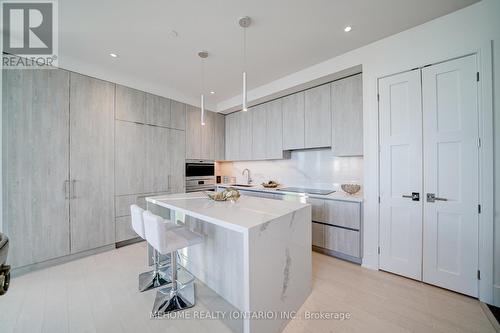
{"x":338,"y":195}
{"x":245,"y":213}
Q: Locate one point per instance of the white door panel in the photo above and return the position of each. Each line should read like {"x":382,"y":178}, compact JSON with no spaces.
{"x":401,"y":174}
{"x":450,"y":127}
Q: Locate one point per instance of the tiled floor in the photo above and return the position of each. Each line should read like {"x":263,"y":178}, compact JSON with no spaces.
{"x":99,"y":294}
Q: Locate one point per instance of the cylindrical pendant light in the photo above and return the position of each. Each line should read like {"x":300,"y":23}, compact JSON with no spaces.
{"x":244,"y":22}
{"x":203,"y":55}
{"x":202,"y":103}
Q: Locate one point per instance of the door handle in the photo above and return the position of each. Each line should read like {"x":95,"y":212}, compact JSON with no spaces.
{"x":431,"y":197}
{"x":66,"y":189}
{"x":73,"y":190}
{"x":415,"y":196}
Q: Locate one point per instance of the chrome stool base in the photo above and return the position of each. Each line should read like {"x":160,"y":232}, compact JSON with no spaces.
{"x":154,"y":279}
{"x":168,"y":300}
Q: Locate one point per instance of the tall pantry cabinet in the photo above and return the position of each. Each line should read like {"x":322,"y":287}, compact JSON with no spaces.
{"x":57,"y":163}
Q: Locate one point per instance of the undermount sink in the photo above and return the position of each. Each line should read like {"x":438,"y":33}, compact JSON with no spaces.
{"x":244,"y":185}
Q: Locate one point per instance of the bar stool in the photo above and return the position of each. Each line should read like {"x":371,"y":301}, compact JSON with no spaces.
{"x":168,"y":240}
{"x":160,"y":275}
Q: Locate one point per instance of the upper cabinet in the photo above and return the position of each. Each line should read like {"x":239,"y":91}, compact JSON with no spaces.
{"x":144,"y":108}
{"x":157,"y":110}
{"x":177,"y":115}
{"x":293,"y":121}
{"x":267,"y":131}
{"x":329,"y":115}
{"x":347,"y":116}
{"x":204,"y":142}
{"x":219,"y":131}
{"x":130,"y":104}
{"x":317,"y":120}
{"x":232,"y":140}
{"x":193,"y":132}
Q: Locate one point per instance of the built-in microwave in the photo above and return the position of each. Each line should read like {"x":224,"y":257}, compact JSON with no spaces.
{"x":200,"y":175}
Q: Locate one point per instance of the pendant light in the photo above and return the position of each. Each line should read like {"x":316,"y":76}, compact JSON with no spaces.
{"x":244,"y":22}
{"x":203,"y":55}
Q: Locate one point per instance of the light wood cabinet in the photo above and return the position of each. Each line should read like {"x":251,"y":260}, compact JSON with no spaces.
{"x":318,"y":122}
{"x":343,"y":213}
{"x":177,"y":115}
{"x":130,"y":104}
{"x":342,"y":240}
{"x":274,"y":130}
{"x":219,"y":132}
{"x":91,"y":163}
{"x":130,"y":157}
{"x":293,"y":121}
{"x":177,"y":153}
{"x":259,"y":132}
{"x":318,"y":234}
{"x":35,"y":164}
{"x":202,"y":141}
{"x":232,"y":139}
{"x":245,"y":127}
{"x":207,"y":143}
{"x":347,"y":116}
{"x":157,"y":162}
{"x":158,"y":111}
{"x":193,"y":133}
{"x":267,"y":131}
{"x":317,"y":209}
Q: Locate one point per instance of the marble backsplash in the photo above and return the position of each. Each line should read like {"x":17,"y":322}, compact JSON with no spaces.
{"x":314,"y":168}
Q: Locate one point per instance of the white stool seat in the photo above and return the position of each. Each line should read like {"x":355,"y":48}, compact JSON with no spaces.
{"x":160,"y":275}
{"x":137,"y":220}
{"x":166,"y":236}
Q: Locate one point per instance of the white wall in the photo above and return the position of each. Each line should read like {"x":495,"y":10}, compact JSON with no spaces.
{"x":465,"y":31}
{"x":317,"y":168}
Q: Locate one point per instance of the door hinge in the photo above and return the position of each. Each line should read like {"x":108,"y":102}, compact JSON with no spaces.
{"x":479,"y":142}
{"x":378,"y":199}
{"x":479,"y":209}
{"x":478,"y":274}
{"x":378,"y":97}
{"x":379,"y":250}
{"x":477,"y":76}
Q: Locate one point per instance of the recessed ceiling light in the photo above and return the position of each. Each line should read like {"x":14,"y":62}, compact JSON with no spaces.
{"x":212,"y":92}
{"x":348,"y":28}
{"x":113,"y":55}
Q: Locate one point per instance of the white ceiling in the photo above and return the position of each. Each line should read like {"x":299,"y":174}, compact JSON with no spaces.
{"x":285,"y":36}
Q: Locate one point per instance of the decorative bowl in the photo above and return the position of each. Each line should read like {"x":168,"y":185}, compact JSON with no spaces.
{"x":229,"y":193}
{"x":270,"y":184}
{"x":350,"y":188}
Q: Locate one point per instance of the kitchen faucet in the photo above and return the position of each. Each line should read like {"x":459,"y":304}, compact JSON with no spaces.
{"x":249,"y":179}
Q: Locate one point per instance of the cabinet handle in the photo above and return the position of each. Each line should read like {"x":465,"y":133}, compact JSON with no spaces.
{"x":66,"y":189}
{"x":73,"y":191}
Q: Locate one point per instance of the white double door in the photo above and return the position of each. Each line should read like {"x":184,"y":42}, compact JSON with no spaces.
{"x":429,"y":173}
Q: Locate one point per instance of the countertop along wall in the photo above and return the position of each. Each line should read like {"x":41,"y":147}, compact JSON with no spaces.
{"x":472,"y":29}
{"x":315,"y":168}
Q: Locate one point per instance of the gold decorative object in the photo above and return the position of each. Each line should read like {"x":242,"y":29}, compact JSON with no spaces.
{"x":271,"y":184}
{"x":350,"y":188}
{"x":229,"y":193}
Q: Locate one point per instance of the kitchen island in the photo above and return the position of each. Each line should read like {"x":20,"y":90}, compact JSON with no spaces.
{"x":256,"y":253}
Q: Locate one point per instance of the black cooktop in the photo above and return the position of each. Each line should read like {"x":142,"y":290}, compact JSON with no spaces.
{"x":306,"y":190}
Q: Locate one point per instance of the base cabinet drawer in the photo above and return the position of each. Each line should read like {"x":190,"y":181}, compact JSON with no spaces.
{"x":343,"y":213}
{"x":342,"y":240}
{"x":318,"y":234}
{"x":123,"y":229}
{"x":317,"y":209}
